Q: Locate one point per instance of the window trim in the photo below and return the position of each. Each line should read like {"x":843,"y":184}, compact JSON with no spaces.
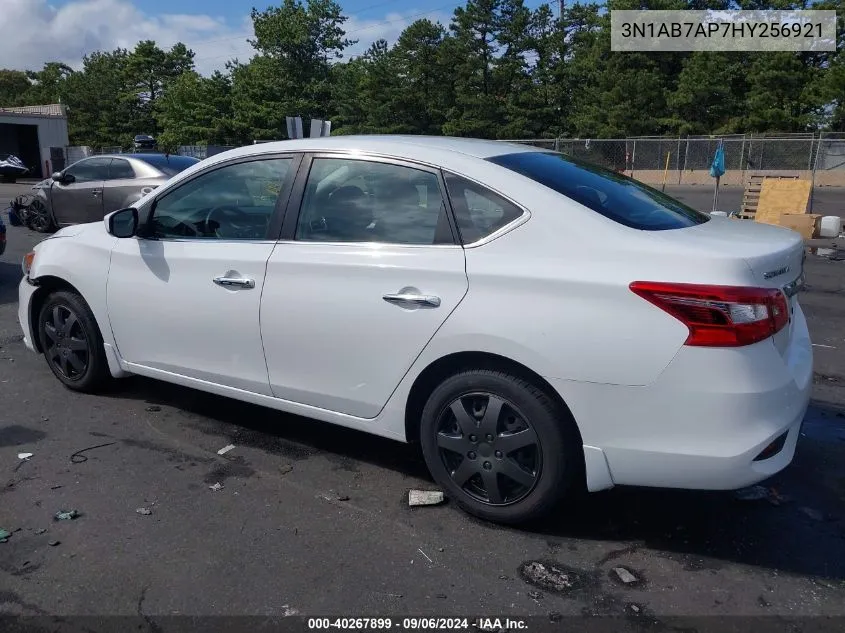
{"x":507,"y":228}
{"x":276,"y":219}
{"x":294,"y":209}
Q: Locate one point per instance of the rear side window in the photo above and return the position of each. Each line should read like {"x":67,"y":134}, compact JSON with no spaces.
{"x":169,"y":165}
{"x":478,"y":211}
{"x":615,"y":196}
{"x":120,"y":170}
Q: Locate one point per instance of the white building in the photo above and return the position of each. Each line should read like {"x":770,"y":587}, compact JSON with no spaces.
{"x":29,"y":132}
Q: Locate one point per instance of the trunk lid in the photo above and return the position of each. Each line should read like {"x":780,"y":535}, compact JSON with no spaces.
{"x":774,"y":255}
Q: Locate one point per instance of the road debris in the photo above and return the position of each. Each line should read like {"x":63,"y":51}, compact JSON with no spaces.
{"x":535,"y":595}
{"x":66,"y":515}
{"x":54,"y":543}
{"x":288,"y":611}
{"x":635,"y":608}
{"x":4,"y":535}
{"x":40,"y":530}
{"x":153,"y":408}
{"x":550,"y":576}
{"x":226,"y":449}
{"x":815,"y":515}
{"x":56,"y":487}
{"x":24,"y":455}
{"x":424,"y":497}
{"x":754,"y":493}
{"x":342,"y":497}
{"x":555,"y":616}
{"x":79,"y":458}
{"x":424,"y":554}
{"x":144,"y":511}
{"x":625,"y":576}
{"x":216,"y":487}
{"x":285,"y":469}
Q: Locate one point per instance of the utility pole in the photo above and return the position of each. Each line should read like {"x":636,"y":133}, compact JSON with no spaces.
{"x":559,"y":9}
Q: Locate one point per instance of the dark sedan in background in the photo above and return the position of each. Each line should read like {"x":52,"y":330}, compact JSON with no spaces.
{"x":97,"y":185}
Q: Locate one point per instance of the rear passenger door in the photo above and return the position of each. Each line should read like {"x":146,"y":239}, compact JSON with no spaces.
{"x":366,"y":272}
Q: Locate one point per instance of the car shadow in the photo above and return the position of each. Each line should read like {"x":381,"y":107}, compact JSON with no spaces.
{"x":796,"y":528}
{"x":270,"y":430}
{"x":10,"y":277}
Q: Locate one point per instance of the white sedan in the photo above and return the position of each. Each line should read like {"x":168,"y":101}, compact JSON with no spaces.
{"x":539,"y":325}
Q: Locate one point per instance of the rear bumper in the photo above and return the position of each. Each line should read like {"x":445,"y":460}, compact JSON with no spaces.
{"x":25,"y":292}
{"x":705,"y":420}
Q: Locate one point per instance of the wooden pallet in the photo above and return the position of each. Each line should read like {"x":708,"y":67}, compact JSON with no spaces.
{"x":751,"y":197}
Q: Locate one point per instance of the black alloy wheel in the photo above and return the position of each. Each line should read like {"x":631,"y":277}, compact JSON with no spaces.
{"x":490,"y":450}
{"x":38,"y":217}
{"x":68,"y":349}
{"x":501,"y":446}
{"x":71,"y":342}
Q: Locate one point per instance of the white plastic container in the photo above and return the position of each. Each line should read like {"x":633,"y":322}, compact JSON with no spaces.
{"x":719,"y":214}
{"x":831,"y":226}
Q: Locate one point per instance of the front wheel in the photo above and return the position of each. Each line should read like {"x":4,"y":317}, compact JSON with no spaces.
{"x":500,"y":446}
{"x":39,"y":218}
{"x":72,"y":344}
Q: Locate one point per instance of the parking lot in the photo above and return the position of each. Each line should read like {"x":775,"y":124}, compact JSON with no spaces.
{"x":313,"y":519}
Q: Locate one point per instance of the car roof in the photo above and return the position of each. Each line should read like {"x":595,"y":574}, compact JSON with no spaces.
{"x":421,"y":148}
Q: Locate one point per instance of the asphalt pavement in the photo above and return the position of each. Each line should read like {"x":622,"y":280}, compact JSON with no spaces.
{"x":313,"y":520}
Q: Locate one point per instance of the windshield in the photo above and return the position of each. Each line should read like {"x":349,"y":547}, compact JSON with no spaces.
{"x":613,"y":195}
{"x":169,"y":165}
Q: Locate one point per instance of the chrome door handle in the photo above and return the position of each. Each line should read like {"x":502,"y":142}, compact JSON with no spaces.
{"x":96,"y":192}
{"x":430,"y":301}
{"x":234,"y":282}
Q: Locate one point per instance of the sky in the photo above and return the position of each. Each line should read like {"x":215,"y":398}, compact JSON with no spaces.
{"x":33,"y":32}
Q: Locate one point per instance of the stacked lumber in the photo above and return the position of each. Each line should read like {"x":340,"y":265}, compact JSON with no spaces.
{"x":753,"y":188}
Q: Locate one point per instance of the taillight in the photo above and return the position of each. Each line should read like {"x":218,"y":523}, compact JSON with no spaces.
{"x":719,"y":316}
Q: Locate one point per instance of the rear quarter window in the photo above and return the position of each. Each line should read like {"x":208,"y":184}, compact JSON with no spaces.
{"x":479,"y":212}
{"x":615,"y":196}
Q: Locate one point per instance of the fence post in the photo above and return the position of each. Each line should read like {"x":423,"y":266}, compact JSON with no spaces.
{"x":686,"y":157}
{"x":633,"y":157}
{"x":678,"y":159}
{"x":743,"y":164}
{"x":813,"y":177}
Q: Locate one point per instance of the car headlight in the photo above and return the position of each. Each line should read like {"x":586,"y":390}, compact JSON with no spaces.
{"x":26,"y":263}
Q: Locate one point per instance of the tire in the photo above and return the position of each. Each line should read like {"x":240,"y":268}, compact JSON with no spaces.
{"x":39,"y":218}
{"x":547,"y":471}
{"x":72,"y":343}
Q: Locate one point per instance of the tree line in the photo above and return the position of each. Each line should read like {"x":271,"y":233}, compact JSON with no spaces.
{"x":498,"y":70}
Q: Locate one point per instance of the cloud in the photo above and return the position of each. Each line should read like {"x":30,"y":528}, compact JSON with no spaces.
{"x":389,"y":27}
{"x":33,"y":32}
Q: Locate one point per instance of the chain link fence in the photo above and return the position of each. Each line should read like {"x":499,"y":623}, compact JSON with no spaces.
{"x":655,"y":160}
{"x":658,"y":160}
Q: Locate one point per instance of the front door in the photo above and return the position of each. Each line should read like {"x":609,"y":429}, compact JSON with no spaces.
{"x":185,"y":299}
{"x":80,"y":198}
{"x":361,"y":283}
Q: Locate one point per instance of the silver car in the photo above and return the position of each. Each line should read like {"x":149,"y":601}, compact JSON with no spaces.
{"x":95,"y":186}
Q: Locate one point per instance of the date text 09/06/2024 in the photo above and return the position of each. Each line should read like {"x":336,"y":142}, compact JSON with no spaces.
{"x":418,"y":623}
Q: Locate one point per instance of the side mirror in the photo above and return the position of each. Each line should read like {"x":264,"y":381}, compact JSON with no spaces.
{"x":57,"y":176}
{"x":123,"y":223}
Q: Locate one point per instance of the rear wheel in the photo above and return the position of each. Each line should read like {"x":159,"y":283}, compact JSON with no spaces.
{"x":72,"y":344}
{"x":500,"y":446}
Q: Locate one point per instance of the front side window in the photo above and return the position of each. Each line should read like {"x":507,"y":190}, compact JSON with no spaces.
{"x":365,"y":201}
{"x":615,"y":196}
{"x":233,"y":202}
{"x":89,"y":170}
